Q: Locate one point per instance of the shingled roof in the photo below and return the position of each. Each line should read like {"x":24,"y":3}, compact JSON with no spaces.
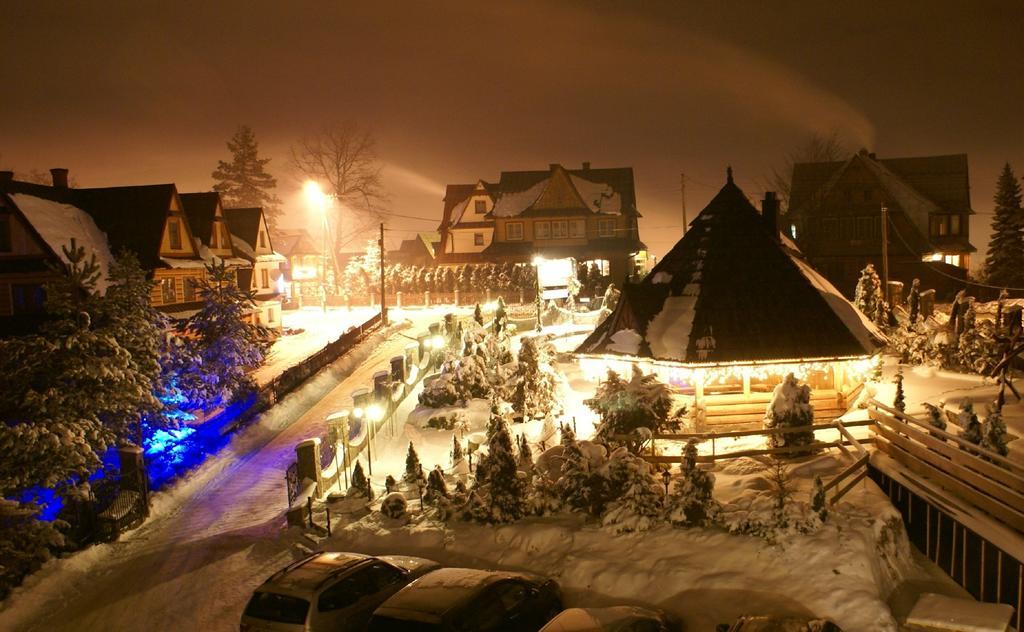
{"x":245,"y":224}
{"x":200,"y":208}
{"x":731,"y":291}
{"x":133,"y":217}
{"x":561,"y":191}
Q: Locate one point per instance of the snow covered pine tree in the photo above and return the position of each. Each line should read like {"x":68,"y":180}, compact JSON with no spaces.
{"x":501,"y":496}
{"x":868,"y":294}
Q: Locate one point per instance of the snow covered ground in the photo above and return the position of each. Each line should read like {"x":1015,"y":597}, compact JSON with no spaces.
{"x":319,"y":328}
{"x":214,"y":536}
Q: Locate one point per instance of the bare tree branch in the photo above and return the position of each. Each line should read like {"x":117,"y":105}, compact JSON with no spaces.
{"x":817,"y":147}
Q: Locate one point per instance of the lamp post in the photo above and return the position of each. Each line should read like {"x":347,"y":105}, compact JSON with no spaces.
{"x":537,"y":260}
{"x":319,"y":201}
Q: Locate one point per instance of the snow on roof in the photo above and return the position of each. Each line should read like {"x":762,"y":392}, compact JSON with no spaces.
{"x":171,"y":262}
{"x":512,"y":203}
{"x":626,"y":341}
{"x":669,"y":332}
{"x":59,"y":223}
{"x":599,"y":196}
{"x":863,"y":329}
{"x":458,"y":211}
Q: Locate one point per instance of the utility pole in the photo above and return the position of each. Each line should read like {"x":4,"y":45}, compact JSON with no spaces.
{"x":682,"y":195}
{"x":383,"y":305}
{"x":885,"y":253}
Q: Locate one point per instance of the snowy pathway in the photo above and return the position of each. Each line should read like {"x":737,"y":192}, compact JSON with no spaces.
{"x":213,"y":539}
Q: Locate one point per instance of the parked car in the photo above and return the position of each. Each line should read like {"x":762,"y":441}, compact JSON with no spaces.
{"x":779,"y":624}
{"x":464,"y":599}
{"x":614,"y":619}
{"x":329,"y":591}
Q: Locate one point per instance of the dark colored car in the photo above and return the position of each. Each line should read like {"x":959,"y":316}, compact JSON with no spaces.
{"x":329,"y":591}
{"x":464,"y":600}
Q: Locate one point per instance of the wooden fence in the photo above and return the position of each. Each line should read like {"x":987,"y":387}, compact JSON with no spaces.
{"x":955,"y":498}
{"x":983,"y":478}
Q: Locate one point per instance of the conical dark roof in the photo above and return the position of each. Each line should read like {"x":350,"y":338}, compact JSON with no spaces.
{"x":732,"y":292}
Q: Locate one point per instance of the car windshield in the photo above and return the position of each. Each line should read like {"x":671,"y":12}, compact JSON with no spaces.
{"x":271,"y":606}
{"x":388,"y":624}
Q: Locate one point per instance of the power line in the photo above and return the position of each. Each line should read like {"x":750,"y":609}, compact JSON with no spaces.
{"x":950,"y":276}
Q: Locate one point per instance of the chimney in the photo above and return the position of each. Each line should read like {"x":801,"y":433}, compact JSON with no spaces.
{"x":770,"y":213}
{"x":6,"y":176}
{"x":586,"y":166}
{"x":60,"y":177}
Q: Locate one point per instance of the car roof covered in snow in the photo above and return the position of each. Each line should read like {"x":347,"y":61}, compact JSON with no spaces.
{"x":730,"y":291}
{"x":308,"y":575}
{"x":440,"y":591}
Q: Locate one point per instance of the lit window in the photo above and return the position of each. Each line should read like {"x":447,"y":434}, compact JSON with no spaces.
{"x":606,"y":228}
{"x":514,"y":231}
{"x":542,"y":230}
{"x":167,"y":290}
{"x":480,"y":206}
{"x":478,"y":239}
{"x":792,"y":231}
{"x":953,"y":260}
{"x":174,"y":232}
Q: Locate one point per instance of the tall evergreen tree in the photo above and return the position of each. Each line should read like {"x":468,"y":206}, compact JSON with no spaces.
{"x":244,"y":182}
{"x":220,"y":347}
{"x":68,"y":393}
{"x":126,"y":312}
{"x":534,"y":392}
{"x":1004,"y":263}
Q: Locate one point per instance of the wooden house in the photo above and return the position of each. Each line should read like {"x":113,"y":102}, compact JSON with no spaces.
{"x":264,"y":276}
{"x":37,"y":220}
{"x":835,"y":217}
{"x":585,"y":214}
{"x":732,"y":309}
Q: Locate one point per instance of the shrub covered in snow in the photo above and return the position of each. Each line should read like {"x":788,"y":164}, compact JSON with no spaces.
{"x":413,"y":470}
{"x":500,"y":497}
{"x":436,"y":487}
{"x":25,"y":543}
{"x":790,"y":408}
{"x":968,"y":422}
{"x":360,"y":486}
{"x":868,"y":294}
{"x":976,"y":350}
{"x":582,"y":486}
{"x":900,"y":400}
{"x":993,"y":432}
{"x":394,"y":506}
{"x":692,"y":500}
{"x":634,"y":409}
{"x":936,"y":416}
{"x":639,"y":505}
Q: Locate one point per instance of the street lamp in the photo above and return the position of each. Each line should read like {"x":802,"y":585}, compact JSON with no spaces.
{"x":537,"y":261}
{"x":320,"y":202}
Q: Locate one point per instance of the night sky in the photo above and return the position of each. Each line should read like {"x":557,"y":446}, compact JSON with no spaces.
{"x":139,"y":92}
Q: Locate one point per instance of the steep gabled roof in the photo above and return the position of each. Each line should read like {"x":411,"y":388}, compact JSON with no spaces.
{"x":731,"y":292}
{"x":133,"y":217}
{"x":244,"y":223}
{"x":296,"y":242}
{"x":200,"y":208}
{"x":560,"y":191}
